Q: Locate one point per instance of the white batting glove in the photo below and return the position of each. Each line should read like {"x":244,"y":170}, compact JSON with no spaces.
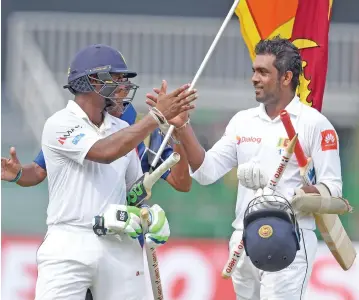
{"x":251,"y":176}
{"x":159,"y":230}
{"x":118,"y":219}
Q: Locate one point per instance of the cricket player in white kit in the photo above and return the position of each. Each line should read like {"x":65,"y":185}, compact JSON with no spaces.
{"x":253,"y":141}
{"x":91,"y":163}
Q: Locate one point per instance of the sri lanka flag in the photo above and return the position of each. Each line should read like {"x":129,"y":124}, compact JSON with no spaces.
{"x":305,"y":23}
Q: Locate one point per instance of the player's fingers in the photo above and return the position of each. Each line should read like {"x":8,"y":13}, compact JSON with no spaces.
{"x":3,"y":162}
{"x":156,"y":90}
{"x":187,"y":107}
{"x":189,"y":99}
{"x":13,"y":154}
{"x":256,"y":177}
{"x":163,"y":87}
{"x":187,"y":93}
{"x":150,"y":103}
{"x":152,"y":97}
{"x":180,"y":90}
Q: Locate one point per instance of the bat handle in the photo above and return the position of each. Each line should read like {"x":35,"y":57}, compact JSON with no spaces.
{"x":145,"y":219}
{"x":299,"y":153}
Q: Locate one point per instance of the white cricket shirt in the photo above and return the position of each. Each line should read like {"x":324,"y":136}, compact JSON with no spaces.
{"x":252,"y":136}
{"x":79,"y":189}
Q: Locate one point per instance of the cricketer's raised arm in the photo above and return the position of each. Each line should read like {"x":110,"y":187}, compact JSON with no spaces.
{"x":208,"y":167}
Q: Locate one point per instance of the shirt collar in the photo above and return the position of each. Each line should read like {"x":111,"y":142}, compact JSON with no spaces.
{"x":77,"y":110}
{"x":292,"y":108}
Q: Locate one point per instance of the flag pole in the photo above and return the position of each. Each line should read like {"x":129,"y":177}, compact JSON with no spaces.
{"x":198,"y":74}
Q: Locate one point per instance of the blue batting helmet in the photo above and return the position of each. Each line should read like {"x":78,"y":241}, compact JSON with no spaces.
{"x":271,"y":235}
{"x":99,"y":62}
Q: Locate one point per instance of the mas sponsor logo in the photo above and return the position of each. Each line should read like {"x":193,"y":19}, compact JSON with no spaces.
{"x":67,"y":134}
{"x":329,"y":140}
{"x":248,"y":139}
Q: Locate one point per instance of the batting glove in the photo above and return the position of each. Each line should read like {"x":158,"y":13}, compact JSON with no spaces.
{"x":118,"y":219}
{"x":251,"y":176}
{"x":159,"y":230}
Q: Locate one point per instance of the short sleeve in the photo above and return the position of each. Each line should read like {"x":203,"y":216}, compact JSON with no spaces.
{"x":324,"y":146}
{"x":40,"y":160}
{"x":72,"y":139}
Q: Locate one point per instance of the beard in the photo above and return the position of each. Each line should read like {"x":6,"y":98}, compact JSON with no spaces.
{"x":263,"y":96}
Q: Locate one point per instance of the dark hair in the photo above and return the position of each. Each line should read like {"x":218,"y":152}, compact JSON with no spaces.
{"x":287,"y":57}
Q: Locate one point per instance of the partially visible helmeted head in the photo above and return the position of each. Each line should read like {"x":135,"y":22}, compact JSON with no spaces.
{"x":101,"y":72}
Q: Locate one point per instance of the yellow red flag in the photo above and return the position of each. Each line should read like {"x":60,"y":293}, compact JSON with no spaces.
{"x":305,"y":23}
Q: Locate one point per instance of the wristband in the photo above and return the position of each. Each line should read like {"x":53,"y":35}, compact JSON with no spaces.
{"x":185,"y":124}
{"x":18,"y":176}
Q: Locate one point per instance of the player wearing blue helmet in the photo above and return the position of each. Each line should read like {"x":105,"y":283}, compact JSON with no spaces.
{"x":91,"y":161}
{"x":121,"y":107}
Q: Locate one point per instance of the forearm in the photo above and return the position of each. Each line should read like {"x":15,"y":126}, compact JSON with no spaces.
{"x":31,"y":175}
{"x":333,"y":189}
{"x":193,"y":149}
{"x":179,"y":177}
{"x":310,"y":189}
{"x":122,"y":142}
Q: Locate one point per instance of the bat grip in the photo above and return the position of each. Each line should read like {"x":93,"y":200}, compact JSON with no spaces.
{"x":298,"y":150}
{"x":145,"y":218}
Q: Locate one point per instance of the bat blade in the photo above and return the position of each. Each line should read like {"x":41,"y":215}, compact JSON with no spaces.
{"x":151,"y":255}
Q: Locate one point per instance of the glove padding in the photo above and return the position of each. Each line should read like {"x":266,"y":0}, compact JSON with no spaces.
{"x":251,"y":176}
{"x":159,"y":230}
{"x":321,"y":204}
{"x":119,"y":219}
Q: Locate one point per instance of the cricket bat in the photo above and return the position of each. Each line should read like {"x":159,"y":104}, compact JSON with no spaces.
{"x":329,"y":225}
{"x":153,"y":266}
{"x":139,"y":192}
{"x":237,"y":252}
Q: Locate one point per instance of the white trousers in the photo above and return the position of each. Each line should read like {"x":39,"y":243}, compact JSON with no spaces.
{"x":290,"y":283}
{"x":71,"y":260}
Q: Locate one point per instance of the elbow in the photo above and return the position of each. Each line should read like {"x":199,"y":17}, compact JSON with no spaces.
{"x":105,"y":154}
{"x":182,"y":184}
{"x":104,"y":157}
{"x":184,"y":187}
{"x":334,"y":187}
